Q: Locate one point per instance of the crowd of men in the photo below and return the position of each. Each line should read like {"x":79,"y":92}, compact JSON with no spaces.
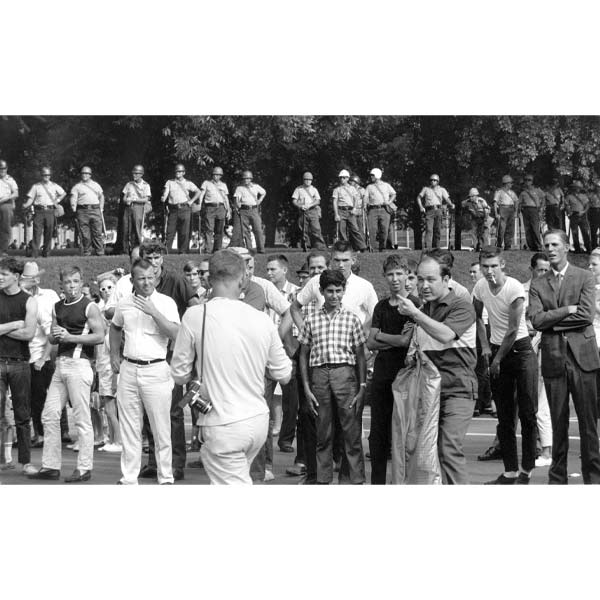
{"x":363,"y":215}
{"x":219,"y":339}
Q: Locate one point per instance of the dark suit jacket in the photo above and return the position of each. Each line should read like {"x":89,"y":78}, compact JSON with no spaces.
{"x":560,"y":330}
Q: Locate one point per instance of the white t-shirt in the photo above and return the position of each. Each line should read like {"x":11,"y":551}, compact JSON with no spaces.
{"x":498,"y":306}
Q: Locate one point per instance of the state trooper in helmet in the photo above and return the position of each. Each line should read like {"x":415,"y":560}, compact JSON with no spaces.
{"x":137,"y":203}
{"x":215,"y":211}
{"x":380,"y":198}
{"x":307,"y":200}
{"x":360,"y":207}
{"x":248,"y":197}
{"x":505,"y":203}
{"x":479,"y":211}
{"x":345,"y":198}
{"x":431,"y":200}
{"x":9,"y":191}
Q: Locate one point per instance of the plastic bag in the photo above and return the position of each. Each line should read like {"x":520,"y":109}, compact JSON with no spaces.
{"x":415,"y":421}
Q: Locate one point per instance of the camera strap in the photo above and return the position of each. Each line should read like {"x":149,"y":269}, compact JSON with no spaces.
{"x":201,"y":374}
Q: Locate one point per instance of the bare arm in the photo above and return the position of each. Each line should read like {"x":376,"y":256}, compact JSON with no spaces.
{"x":438,"y":331}
{"x":114,"y":339}
{"x":285,"y":326}
{"x":27,"y":332}
{"x":481,"y":332}
{"x":95,"y":337}
{"x":514,"y":315}
{"x":311,"y":401}
{"x":296,"y":314}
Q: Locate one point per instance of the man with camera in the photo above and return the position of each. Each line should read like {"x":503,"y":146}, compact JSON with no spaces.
{"x":243,"y":344}
{"x":150,"y":320}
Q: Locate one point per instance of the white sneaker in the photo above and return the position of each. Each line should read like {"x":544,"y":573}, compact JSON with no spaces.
{"x":268,"y":475}
{"x":113,"y":448}
{"x":543,"y":462}
{"x":29,"y":469}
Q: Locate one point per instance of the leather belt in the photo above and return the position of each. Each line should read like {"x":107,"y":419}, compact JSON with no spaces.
{"x":371,"y":206}
{"x":345,"y":208}
{"x":432,"y":207}
{"x":247,"y":207}
{"x":83,"y":206}
{"x":144,"y":362}
{"x":38,"y":207}
{"x":180,"y":205}
{"x":334,"y":365}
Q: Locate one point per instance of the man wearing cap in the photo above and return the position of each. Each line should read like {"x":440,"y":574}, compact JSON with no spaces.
{"x":380,"y":198}
{"x":594,"y":214}
{"x":214,"y":200}
{"x":505,"y":203}
{"x":179,"y":194}
{"x":531,"y":202}
{"x":479,"y":211}
{"x":345,"y":198}
{"x":41,"y":363}
{"x":44,"y":196}
{"x":136,"y":200}
{"x":554,"y":199}
{"x":9,"y":192}
{"x":430,"y":201}
{"x":577,"y":205}
{"x":307,"y":200}
{"x":248,"y":197}
{"x":87,"y":202}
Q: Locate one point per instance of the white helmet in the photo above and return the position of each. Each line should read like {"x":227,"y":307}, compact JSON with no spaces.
{"x":376,"y":172}
{"x":344,"y":173}
{"x":473,"y":192}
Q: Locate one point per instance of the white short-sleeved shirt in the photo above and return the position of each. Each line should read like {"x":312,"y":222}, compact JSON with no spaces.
{"x":360,"y":296}
{"x":345,"y":195}
{"x":240,"y":343}
{"x":7,"y":186}
{"x":214,"y":192}
{"x":274,"y":299}
{"x":45,"y":194}
{"x":306,"y":196}
{"x":434,"y":197}
{"x":143,"y":338}
{"x":379,"y":193}
{"x":137,"y":192}
{"x":498,"y":306}
{"x":174,"y":188}
{"x":87,"y":193}
{"x":46,"y":299}
{"x":247,"y":195}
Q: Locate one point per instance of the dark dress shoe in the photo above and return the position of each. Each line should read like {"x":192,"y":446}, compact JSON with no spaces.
{"x":492,"y":453}
{"x":45,"y":474}
{"x":523,"y":479}
{"x":196,"y":464}
{"x":78,"y":476}
{"x":66,"y":440}
{"x":286,"y":448}
{"x":297,"y":470}
{"x":502,"y":480}
{"x":147,"y":472}
{"x":178,"y":474}
{"x":37,"y":444}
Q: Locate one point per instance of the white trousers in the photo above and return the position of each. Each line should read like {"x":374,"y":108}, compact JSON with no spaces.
{"x":543,"y":412}
{"x":228,"y":450}
{"x":72,"y":380}
{"x":145,"y":387}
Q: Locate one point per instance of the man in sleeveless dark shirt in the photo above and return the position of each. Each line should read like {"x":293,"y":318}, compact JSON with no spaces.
{"x":77,"y":326}
{"x":18,"y":312}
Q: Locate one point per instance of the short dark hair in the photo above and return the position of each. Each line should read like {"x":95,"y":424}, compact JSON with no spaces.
{"x":341,"y":246}
{"x":316,"y":254}
{"x":559,"y":232}
{"x":412,"y":265}
{"x":490,"y":252}
{"x":141,"y":263}
{"x":444,"y":268}
{"x":441,"y":255}
{"x":331,"y":277}
{"x":70,"y":270}
{"x":280,"y":258}
{"x":475,"y":264}
{"x":538,"y":256}
{"x":12,"y":265}
{"x":152,"y":247}
{"x":226,"y":265}
{"x":190,"y":265}
{"x":395,"y":261}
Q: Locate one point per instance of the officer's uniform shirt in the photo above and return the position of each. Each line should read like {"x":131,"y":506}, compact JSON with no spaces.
{"x":532,"y":198}
{"x":345,"y":195}
{"x":45,"y":194}
{"x":504,"y":197}
{"x":143,"y":191}
{"x":7,"y":186}
{"x":246,"y":195}
{"x":379,"y":193}
{"x":577,"y":203}
{"x":214,"y":192}
{"x":86,"y":196}
{"x":175,"y":193}
{"x":434,"y":197}
{"x":306,"y":196}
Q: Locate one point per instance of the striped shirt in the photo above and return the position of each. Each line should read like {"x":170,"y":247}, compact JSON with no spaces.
{"x":332,"y":338}
{"x":455,"y":360}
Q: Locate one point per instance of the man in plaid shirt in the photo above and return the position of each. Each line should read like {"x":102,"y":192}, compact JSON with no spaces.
{"x":334,"y":339}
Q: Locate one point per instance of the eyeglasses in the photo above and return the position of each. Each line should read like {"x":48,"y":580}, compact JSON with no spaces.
{"x":307,"y":179}
{"x":434,"y":181}
{"x":180,"y":171}
{"x":105,"y":289}
{"x":194,"y":273}
{"x":86,"y":173}
{"x":138,"y":172}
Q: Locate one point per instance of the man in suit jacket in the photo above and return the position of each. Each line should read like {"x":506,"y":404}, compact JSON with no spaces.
{"x":561,"y":306}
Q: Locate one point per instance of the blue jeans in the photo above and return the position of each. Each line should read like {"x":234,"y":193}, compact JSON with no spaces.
{"x":15,"y":375}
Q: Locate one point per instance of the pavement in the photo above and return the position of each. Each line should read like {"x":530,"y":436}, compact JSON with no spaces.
{"x":479,"y":437}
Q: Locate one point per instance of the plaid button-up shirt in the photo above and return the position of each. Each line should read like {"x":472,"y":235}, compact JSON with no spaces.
{"x":332,"y":339}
